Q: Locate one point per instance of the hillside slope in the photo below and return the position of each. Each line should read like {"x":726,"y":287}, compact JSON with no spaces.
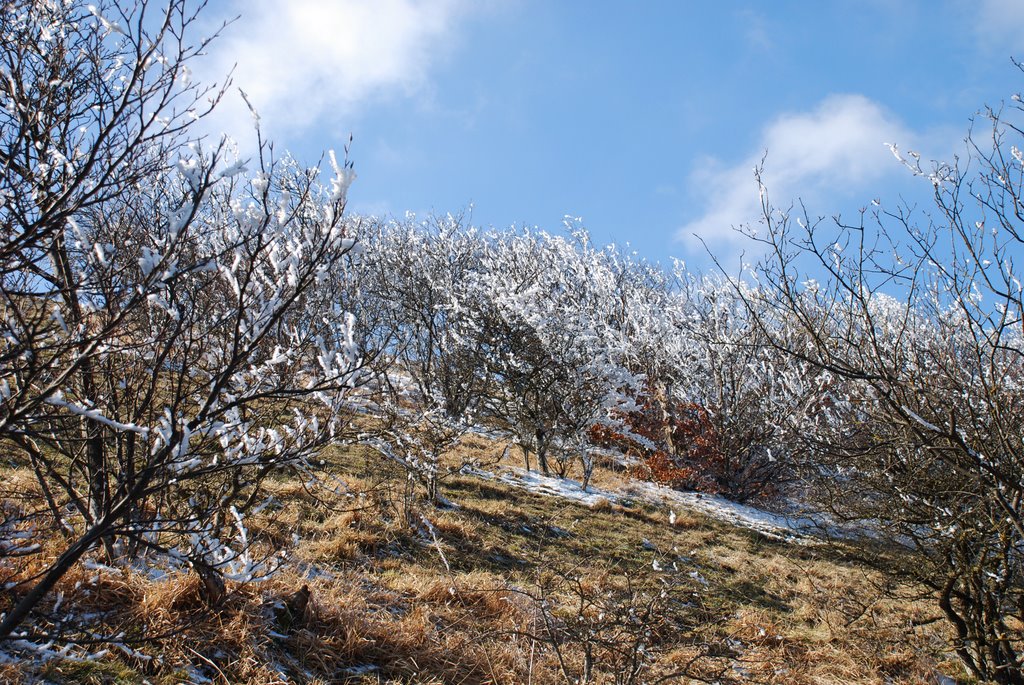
{"x":519,"y":579}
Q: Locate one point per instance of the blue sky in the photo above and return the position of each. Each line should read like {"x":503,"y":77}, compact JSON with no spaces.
{"x":645,"y":119}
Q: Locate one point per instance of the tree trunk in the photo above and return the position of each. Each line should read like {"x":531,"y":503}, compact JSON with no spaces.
{"x":588,"y":469}
{"x":526,"y":456}
{"x":91,"y":431}
{"x":542,"y":452}
{"x":661,"y":394}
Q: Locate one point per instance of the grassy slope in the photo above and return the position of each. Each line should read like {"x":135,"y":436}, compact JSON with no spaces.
{"x":509,"y":587}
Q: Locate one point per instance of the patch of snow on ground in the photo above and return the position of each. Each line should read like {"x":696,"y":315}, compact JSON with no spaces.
{"x":778,"y":526}
{"x":546,"y":485}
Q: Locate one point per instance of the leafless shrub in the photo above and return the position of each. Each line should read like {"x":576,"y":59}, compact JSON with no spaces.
{"x":912,"y":339}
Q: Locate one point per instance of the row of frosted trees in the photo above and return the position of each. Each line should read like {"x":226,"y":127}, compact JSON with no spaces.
{"x":566,"y":348}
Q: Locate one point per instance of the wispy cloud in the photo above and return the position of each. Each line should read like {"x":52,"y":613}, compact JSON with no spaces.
{"x":755,"y":28}
{"x":835,"y":150}
{"x":997,"y":24}
{"x":309,"y":62}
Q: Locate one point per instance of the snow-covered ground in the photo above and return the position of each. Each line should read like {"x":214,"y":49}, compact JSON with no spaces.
{"x":546,"y":485}
{"x":795,"y":529}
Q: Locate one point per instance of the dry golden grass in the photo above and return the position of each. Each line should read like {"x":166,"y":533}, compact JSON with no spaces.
{"x":489,"y":591}
{"x":687,"y":521}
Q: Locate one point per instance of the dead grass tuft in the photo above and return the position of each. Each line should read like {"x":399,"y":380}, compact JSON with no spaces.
{"x":687,"y":521}
{"x":11,"y":674}
{"x":495,"y":604}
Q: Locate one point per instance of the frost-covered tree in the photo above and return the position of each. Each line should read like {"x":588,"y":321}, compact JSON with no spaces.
{"x":417,"y":279}
{"x":915,"y":329}
{"x":749,"y":395}
{"x":558,"y":363}
{"x":716,"y":401}
{"x":164,"y":344}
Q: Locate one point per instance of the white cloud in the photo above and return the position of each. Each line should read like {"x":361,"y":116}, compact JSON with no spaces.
{"x":835,"y":150}
{"x":309,"y":62}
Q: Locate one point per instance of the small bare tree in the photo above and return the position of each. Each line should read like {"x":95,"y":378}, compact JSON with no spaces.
{"x":607,"y":629}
